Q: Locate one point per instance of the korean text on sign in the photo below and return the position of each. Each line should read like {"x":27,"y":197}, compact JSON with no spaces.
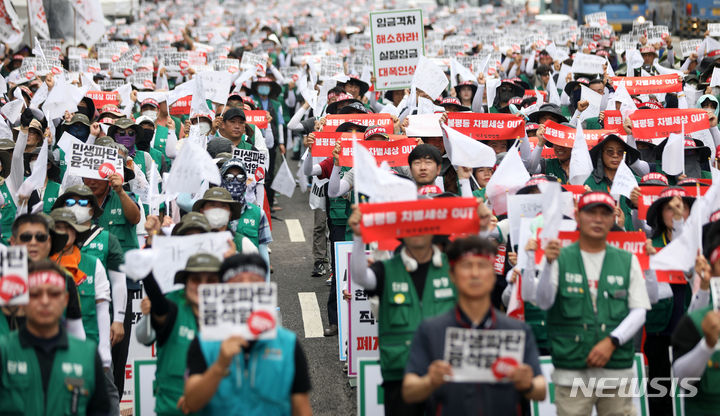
{"x":14,"y":276}
{"x":84,"y":160}
{"x":227,"y":309}
{"x":363,"y":336}
{"x":397,"y":39}
{"x":483,"y":356}
{"x":252,"y":159}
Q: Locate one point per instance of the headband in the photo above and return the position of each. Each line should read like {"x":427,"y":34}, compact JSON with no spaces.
{"x":248,"y":268}
{"x":46,"y":278}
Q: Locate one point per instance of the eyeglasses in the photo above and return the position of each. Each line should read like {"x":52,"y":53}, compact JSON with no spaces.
{"x":612,"y":152}
{"x":39,"y":237}
{"x":70,"y":202}
{"x":229,"y":177}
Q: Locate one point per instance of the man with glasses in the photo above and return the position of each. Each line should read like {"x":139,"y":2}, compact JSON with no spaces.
{"x":35,"y":232}
{"x":43,"y":369}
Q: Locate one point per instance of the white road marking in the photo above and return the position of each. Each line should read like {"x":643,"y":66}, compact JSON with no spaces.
{"x":295,"y":231}
{"x":312,"y":321}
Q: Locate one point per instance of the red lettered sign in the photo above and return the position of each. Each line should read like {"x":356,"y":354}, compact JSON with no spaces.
{"x":101,"y":98}
{"x":325,"y":141}
{"x":181,"y":106}
{"x":565,"y":136}
{"x":632,"y":241}
{"x":652,"y":124}
{"x":394,"y":152}
{"x":385,"y":121}
{"x":257,"y":118}
{"x":648,"y":195}
{"x":614,"y":121}
{"x":440,"y":216}
{"x":488,"y":126}
{"x":649,"y":85}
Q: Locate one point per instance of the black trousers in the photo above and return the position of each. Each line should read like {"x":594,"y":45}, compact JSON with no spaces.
{"x":270,"y":176}
{"x":337,"y":233}
{"x":120,"y":350}
{"x":394,"y":403}
{"x":656,"y":351}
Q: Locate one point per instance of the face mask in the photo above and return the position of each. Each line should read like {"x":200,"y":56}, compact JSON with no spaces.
{"x":80,"y":131}
{"x":151,"y":114}
{"x":204,"y":128}
{"x":143,"y":141}
{"x":128,"y":142}
{"x":82,"y":214}
{"x":264,"y":90}
{"x":236,"y":188}
{"x":217,"y":217}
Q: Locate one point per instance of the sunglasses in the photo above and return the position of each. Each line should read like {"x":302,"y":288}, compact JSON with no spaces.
{"x":70,"y":202}
{"x":39,"y":237}
{"x":130,"y":133}
{"x":230,"y":177}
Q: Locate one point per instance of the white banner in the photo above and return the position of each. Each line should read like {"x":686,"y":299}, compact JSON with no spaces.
{"x":245,"y":309}
{"x":483,"y":356}
{"x":91,"y":161}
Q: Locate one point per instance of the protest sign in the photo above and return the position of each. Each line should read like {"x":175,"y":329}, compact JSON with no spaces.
{"x":11,"y":30}
{"x":648,"y":195}
{"x":245,"y":309}
{"x":565,"y":135}
{"x":370,"y":397}
{"x":649,"y":85}
{"x":342,"y":267}
{"x":529,"y":206}
{"x":257,"y":118}
{"x":102,"y":98}
{"x":173,"y":252}
{"x":394,"y":152}
{"x":181,"y":106}
{"x":385,"y":121}
{"x":444,"y":216}
{"x":587,"y":64}
{"x":632,"y":241}
{"x":13,"y":276}
{"x":482,"y":355}
{"x":363,"y":334}
{"x":613,"y":121}
{"x":487,"y":126}
{"x":397,"y":41}
{"x":429,"y":77}
{"x":91,"y":161}
{"x":252,"y":159}
{"x":254,"y":62}
{"x":689,"y":46}
{"x":651,"y":124}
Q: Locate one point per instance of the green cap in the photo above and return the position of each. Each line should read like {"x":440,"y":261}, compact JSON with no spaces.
{"x":198,"y":263}
{"x":218,"y":194}
{"x":192,"y":220}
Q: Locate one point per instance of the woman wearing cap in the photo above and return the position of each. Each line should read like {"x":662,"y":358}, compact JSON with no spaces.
{"x":606,"y":157}
{"x":174,"y":319}
{"x":694,"y":341}
{"x":666,"y":216}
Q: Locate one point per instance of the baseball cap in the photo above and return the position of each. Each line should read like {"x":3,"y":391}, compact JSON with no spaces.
{"x":234,"y":112}
{"x":594,"y":199}
{"x":376,"y":131}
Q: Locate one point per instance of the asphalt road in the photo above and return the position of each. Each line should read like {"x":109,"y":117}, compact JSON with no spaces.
{"x":293,"y":262}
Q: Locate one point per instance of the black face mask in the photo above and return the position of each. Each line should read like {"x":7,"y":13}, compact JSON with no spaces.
{"x":142,"y":142}
{"x":85,"y":110}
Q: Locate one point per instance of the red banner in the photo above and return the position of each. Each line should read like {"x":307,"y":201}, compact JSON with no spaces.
{"x":649,"y":85}
{"x":257,"y":118}
{"x":648,"y":195}
{"x":440,"y":216}
{"x":632,"y":241}
{"x":395,"y":152}
{"x":385,"y":121}
{"x":181,"y":107}
{"x":613,"y":121}
{"x":652,"y":124}
{"x":325,"y":141}
{"x":101,"y":98}
{"x":534,"y":93}
{"x":487,"y":126}
{"x":577,"y":190}
{"x":565,"y":136}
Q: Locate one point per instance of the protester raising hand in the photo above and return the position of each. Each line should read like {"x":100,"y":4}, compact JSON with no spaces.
{"x":552,"y":250}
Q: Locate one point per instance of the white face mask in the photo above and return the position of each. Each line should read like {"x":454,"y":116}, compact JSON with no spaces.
{"x":217,"y":217}
{"x":82,"y":214}
{"x":204,"y":128}
{"x":151,"y":114}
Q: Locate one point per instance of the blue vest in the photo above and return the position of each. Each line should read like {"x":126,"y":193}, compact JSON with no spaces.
{"x":261,"y":386}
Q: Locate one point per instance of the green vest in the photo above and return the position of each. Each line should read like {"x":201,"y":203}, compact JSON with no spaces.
{"x":61,"y":162}
{"x":98,"y":246}
{"x":707,"y":400}
{"x":4,"y":327}
{"x":339,"y":207}
{"x":593,"y":124}
{"x":552,"y":167}
{"x":86,"y":292}
{"x":7,"y":214}
{"x":113,"y":219}
{"x":172,"y":358}
{"x":537,"y":319}
{"x":52,"y":189}
{"x":248,"y":226}
{"x":401,"y":311}
{"x":573,"y":327}
{"x":22,"y":386}
{"x":246,"y":143}
{"x":161,"y":134}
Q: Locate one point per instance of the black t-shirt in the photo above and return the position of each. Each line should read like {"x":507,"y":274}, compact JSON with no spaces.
{"x":73,"y":310}
{"x":165,"y":330}
{"x":418,"y":277}
{"x":196,"y":364}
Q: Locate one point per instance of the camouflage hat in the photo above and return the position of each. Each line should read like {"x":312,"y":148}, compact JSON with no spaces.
{"x":190,"y":221}
{"x":104,"y":141}
{"x":79,"y":118}
{"x":218,"y":194}
{"x":198,"y":263}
